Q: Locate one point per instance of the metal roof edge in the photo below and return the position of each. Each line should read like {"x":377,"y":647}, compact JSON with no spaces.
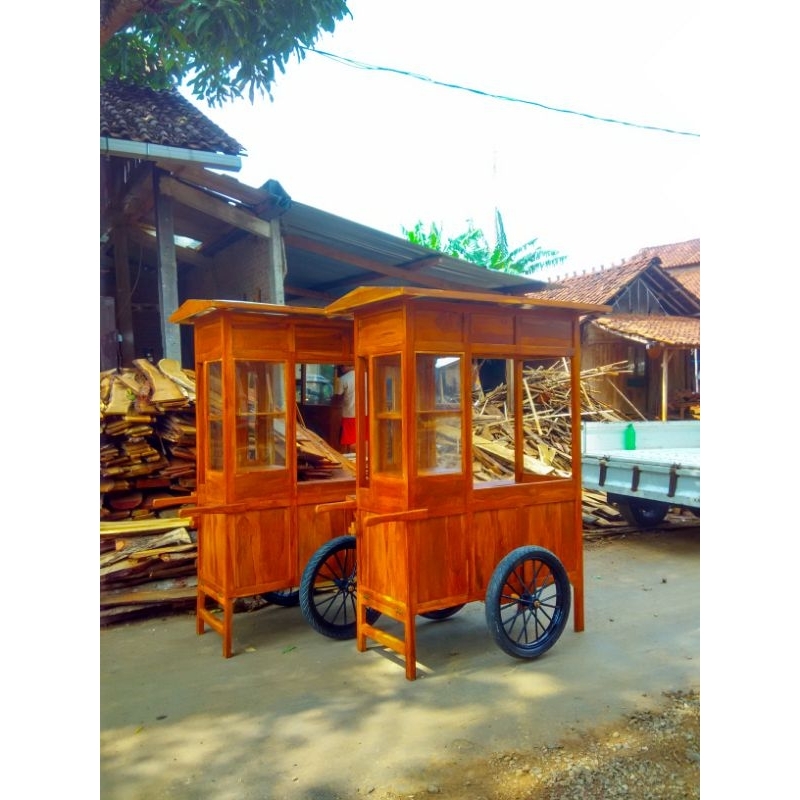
{"x":126,"y":148}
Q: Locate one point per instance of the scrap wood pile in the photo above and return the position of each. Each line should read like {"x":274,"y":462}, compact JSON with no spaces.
{"x":547,"y":431}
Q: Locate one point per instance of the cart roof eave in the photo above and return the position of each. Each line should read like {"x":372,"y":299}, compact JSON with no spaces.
{"x":190,"y":310}
{"x":366,"y":296}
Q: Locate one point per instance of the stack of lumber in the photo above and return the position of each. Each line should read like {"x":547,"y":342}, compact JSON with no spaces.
{"x":147,"y":440}
{"x":147,"y":474}
{"x":146,"y":566}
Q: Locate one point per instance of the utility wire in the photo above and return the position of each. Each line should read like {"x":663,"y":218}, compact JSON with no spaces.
{"x":361,"y":65}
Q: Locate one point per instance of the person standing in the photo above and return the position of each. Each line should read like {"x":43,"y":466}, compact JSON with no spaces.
{"x":346,"y":388}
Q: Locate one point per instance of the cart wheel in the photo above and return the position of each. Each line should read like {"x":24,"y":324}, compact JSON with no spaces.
{"x":643,"y":513}
{"x":283,"y":597}
{"x":527,"y":602}
{"x":328,"y":590}
{"x":442,"y":613}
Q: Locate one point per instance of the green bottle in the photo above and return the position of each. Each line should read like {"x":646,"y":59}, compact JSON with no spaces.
{"x":630,"y":437}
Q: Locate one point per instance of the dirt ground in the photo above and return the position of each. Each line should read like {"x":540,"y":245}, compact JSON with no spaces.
{"x":612,"y":711}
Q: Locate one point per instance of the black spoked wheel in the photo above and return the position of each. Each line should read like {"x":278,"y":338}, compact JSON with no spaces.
{"x":283,"y":597}
{"x":643,"y":513}
{"x":527,"y":602}
{"x":442,"y":613}
{"x":328,"y":590}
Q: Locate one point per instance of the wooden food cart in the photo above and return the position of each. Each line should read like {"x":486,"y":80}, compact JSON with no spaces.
{"x":260,"y":369}
{"x":429,"y":537}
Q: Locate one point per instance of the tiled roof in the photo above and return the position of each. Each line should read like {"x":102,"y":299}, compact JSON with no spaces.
{"x":664,"y":329}
{"x":690,"y":278}
{"x":139,"y":114}
{"x":600,"y":287}
{"x":680,"y":254}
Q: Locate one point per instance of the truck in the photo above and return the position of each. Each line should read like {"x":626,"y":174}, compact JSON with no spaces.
{"x":644,"y":467}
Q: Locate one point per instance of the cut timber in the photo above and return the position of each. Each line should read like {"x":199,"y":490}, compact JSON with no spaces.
{"x":173,"y":370}
{"x":164,"y":390}
{"x":130,"y":527}
{"x":120,"y":398}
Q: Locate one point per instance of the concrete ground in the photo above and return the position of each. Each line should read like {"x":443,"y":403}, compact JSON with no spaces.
{"x":297,"y":715}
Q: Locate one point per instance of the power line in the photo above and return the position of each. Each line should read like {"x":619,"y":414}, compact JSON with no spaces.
{"x":361,"y":65}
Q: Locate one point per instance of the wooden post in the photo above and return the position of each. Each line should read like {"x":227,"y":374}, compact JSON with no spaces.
{"x":123,"y":299}
{"x":167,"y":271}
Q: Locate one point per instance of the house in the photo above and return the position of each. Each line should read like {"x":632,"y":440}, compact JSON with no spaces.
{"x":648,"y":349}
{"x":175,"y":225}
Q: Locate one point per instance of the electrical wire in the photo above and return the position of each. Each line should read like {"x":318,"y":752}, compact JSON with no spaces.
{"x":361,"y":65}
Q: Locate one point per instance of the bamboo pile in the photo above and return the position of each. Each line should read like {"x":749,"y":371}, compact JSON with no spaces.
{"x":547,"y":430}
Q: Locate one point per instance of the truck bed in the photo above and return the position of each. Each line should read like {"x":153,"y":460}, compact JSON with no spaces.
{"x":666,"y":468}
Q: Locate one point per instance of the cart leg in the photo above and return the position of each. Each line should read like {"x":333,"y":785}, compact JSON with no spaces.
{"x":410,"y":637}
{"x":227,"y":628}
{"x":578,"y":606}
{"x":200,"y":625}
{"x":361,"y":621}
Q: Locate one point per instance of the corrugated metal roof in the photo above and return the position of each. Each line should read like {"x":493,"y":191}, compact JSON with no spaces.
{"x":331,"y":255}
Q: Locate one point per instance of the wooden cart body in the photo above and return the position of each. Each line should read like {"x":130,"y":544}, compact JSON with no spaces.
{"x":429,"y":536}
{"x":257,"y":523}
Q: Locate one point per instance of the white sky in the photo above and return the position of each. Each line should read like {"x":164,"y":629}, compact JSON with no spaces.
{"x":387,"y":150}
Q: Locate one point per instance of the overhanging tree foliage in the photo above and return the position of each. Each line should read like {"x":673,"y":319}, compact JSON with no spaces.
{"x":224,"y":47}
{"x":473,"y":246}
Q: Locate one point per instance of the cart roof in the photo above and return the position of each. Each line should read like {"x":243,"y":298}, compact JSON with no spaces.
{"x":368,"y":295}
{"x":191,"y":309}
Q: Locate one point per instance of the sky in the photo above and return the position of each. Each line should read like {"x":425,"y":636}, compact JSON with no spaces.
{"x":389,"y":150}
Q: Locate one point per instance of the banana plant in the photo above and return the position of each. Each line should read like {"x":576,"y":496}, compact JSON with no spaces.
{"x":473,"y":246}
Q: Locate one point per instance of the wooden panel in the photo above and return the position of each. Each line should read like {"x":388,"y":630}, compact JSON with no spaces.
{"x":384,"y":494}
{"x":208,"y":341}
{"x":497,"y":532}
{"x":437,"y":325}
{"x":262,"y":550}
{"x":541,"y":490}
{"x":261,"y":340}
{"x":544,"y":329}
{"x":441,"y":558}
{"x":211,"y":539}
{"x":441,"y":494}
{"x":315,"y":528}
{"x":326,"y":343}
{"x":383,"y":560}
{"x":379,"y":332}
{"x":491,"y":329}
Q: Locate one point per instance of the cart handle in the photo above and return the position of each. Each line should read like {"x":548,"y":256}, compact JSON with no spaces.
{"x":342,"y":505}
{"x":399,"y":516}
{"x":232,"y":508}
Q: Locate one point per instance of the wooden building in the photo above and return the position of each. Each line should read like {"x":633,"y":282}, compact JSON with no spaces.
{"x":652,"y":334}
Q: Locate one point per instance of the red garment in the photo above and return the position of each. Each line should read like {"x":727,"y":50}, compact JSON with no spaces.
{"x":348,"y":430}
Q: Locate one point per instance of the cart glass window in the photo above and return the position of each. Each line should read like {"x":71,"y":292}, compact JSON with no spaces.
{"x":260,"y":415}
{"x":546,"y":420}
{"x":315,"y":384}
{"x":521,"y":427}
{"x":387,"y":393}
{"x":214,"y":415}
{"x":438,"y":413}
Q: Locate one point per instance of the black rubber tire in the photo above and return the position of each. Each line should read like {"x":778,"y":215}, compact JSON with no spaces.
{"x":528,"y":602}
{"x":288,"y":598}
{"x":442,"y":613}
{"x":643,"y":513}
{"x":330,"y":608}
